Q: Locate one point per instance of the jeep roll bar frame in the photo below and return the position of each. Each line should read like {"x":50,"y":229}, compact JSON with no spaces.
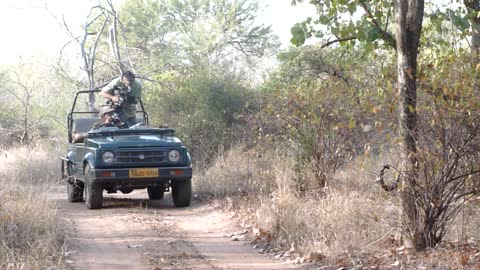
{"x":73,"y":112}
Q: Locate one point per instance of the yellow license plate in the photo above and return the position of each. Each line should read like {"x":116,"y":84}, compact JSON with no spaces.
{"x":141,"y":173}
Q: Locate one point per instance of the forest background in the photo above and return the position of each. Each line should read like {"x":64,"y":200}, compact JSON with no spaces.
{"x":297,"y":141}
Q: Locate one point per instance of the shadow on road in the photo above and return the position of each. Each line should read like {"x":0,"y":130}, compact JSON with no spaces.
{"x":138,"y":199}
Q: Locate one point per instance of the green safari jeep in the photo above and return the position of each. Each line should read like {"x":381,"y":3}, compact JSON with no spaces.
{"x":123,"y":159}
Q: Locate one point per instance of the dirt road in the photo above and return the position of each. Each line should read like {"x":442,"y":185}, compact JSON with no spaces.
{"x":131,"y":232}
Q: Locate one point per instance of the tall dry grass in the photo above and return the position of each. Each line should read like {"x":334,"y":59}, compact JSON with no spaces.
{"x":237,"y":172}
{"x":350,"y":216}
{"x":30,"y":237}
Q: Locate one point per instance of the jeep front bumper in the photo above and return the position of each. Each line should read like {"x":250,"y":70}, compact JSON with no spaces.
{"x":124,"y":175}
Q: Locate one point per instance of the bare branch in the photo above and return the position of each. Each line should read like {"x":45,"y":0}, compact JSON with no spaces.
{"x":114,"y":47}
{"x":337,"y":40}
{"x":95,"y":45}
{"x":386,"y":36}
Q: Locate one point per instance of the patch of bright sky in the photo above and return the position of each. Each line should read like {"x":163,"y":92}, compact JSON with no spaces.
{"x":282,"y":16}
{"x":30,"y":29}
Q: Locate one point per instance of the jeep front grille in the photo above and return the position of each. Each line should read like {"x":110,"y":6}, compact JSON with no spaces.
{"x":145,"y":157}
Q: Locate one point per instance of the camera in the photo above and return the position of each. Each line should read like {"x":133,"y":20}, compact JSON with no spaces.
{"x":124,"y":98}
{"x":116,"y":119}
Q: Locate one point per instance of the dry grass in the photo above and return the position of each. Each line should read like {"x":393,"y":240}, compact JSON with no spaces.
{"x":351,"y":217}
{"x":237,"y":172}
{"x":466,"y":225}
{"x":333,"y":226}
{"x":30,"y":238}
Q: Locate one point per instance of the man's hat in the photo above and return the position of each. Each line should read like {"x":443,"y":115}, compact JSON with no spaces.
{"x":104,"y":110}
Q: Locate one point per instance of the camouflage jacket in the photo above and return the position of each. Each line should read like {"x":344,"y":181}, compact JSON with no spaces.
{"x":116,"y":87}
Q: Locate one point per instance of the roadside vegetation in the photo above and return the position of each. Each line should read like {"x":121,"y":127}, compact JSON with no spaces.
{"x":31,"y":236}
{"x":306,"y":177}
{"x":296,"y":150}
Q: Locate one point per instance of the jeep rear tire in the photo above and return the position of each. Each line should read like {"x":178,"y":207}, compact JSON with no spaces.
{"x":155,"y":193}
{"x":182,"y":193}
{"x":74,"y":192}
{"x":93,"y":192}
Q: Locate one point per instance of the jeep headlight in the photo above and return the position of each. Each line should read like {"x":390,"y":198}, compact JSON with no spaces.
{"x":174,"y":156}
{"x":108,"y":157}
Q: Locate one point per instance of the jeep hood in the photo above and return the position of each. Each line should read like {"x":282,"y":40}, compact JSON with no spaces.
{"x":135,"y":141}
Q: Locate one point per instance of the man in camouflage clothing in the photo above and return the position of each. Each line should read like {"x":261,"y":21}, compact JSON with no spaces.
{"x":125,"y":92}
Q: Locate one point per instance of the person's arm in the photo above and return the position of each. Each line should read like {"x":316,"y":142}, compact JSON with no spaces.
{"x":107,"y":91}
{"x":107,"y":95}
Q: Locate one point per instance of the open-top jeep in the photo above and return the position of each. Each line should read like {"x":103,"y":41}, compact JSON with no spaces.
{"x":123,"y":159}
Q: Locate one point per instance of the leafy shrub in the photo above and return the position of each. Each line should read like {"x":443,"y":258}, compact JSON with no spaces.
{"x":324,"y":110}
{"x":202,"y":109}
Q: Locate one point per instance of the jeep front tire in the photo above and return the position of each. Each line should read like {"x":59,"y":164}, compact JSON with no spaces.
{"x":182,"y":193}
{"x":93,"y":191}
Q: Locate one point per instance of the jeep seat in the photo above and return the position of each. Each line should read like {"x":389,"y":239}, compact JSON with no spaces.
{"x":82,"y":126}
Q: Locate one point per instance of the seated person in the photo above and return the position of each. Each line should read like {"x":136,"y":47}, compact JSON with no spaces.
{"x":107,"y":120}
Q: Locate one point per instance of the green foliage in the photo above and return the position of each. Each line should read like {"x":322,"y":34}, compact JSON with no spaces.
{"x":300,"y":34}
{"x":348,"y":20}
{"x":371,"y":23}
{"x":35,"y":103}
{"x":194,"y":53}
{"x":202,"y":109}
{"x":195,"y":33}
{"x":145,"y":35}
{"x":142,"y":21}
{"x":317,"y":100}
{"x":446,"y":24}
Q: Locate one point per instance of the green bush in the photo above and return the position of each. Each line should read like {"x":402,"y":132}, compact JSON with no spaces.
{"x":202,"y":109}
{"x":328,"y":108}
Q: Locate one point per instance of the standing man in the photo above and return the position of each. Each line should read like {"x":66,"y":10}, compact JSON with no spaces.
{"x":124,"y":92}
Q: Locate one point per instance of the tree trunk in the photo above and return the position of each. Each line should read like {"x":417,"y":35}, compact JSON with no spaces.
{"x":114,"y":48}
{"x":90,"y":56}
{"x":474,"y":5}
{"x":24,"y":139}
{"x":409,"y":17}
{"x":476,"y":31}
